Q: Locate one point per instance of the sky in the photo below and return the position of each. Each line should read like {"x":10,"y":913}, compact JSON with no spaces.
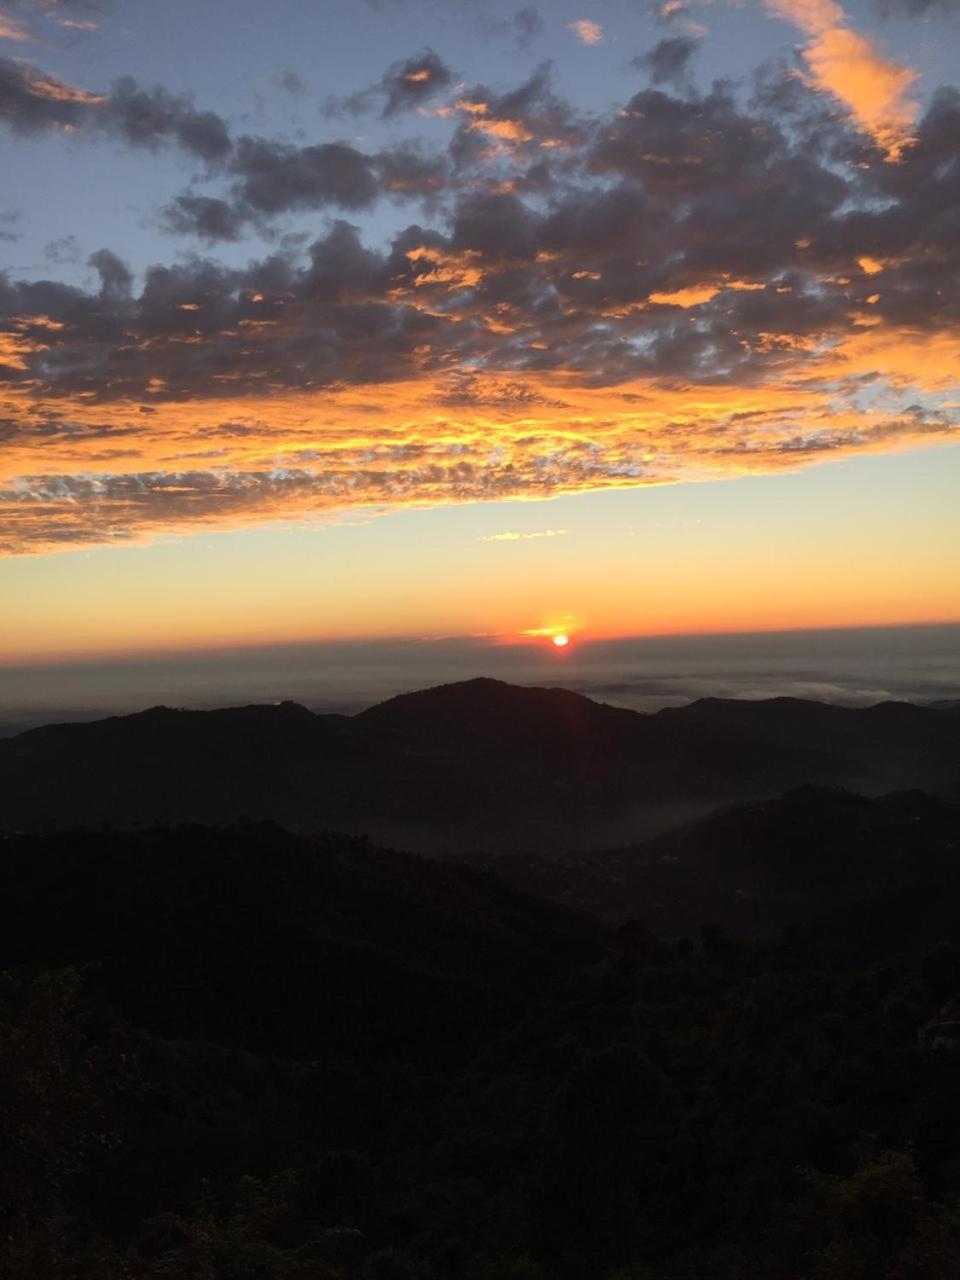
{"x":433,"y":319}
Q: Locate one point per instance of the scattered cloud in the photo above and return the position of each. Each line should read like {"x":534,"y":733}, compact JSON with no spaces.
{"x":207,"y":217}
{"x":522,"y":537}
{"x":404,"y":86}
{"x":20,"y":20}
{"x":676,"y":14}
{"x":523,"y":27}
{"x":290,"y":82}
{"x":668,"y":60}
{"x":32,"y":100}
{"x":62,"y":251}
{"x":408,"y":84}
{"x":587,"y":31}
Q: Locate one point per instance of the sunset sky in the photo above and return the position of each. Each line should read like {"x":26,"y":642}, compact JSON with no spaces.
{"x":434,"y":318}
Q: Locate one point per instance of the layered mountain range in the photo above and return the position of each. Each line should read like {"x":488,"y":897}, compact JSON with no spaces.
{"x":474,"y":766}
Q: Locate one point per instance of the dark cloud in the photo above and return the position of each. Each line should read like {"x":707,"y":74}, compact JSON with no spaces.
{"x":270,"y":177}
{"x":198,"y":328}
{"x":531,"y":119}
{"x":686,"y":238}
{"x":341,"y":269}
{"x":671,"y":142}
{"x":497,"y":227}
{"x":527,"y":25}
{"x":64,"y":250}
{"x":31,"y":100}
{"x":57,"y":431}
{"x":291,"y":82}
{"x":408,"y":84}
{"x":667,"y":61}
{"x":273,"y":179}
{"x":409,"y":172}
{"x":404,"y":86}
{"x":116,"y":278}
{"x":209,"y":218}
{"x":148,"y":118}
{"x":276,"y":177}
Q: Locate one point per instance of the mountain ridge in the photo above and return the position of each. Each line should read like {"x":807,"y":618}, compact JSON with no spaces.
{"x":471,"y":764}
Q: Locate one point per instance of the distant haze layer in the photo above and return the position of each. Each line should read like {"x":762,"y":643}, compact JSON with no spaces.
{"x":855,"y":667}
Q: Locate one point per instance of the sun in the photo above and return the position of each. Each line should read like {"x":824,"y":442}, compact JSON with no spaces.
{"x":561,"y":641}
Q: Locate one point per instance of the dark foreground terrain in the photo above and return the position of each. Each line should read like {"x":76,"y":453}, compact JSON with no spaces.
{"x":235,"y":1049}
{"x":234,"y":1052}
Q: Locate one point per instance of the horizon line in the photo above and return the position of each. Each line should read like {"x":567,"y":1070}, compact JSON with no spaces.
{"x":499,"y":640}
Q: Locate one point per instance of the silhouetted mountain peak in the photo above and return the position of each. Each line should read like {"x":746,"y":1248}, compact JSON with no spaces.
{"x":493,"y":711}
{"x":478,"y":695}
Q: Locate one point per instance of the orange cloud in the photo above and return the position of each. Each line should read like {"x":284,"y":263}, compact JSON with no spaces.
{"x":690,"y":297}
{"x":472,"y":108}
{"x":54,"y":90}
{"x":851,"y":67}
{"x":587,"y":31}
{"x":504,"y":130}
{"x":81,"y":472}
{"x":696,"y":294}
{"x":13,"y":350}
{"x":459,"y":270}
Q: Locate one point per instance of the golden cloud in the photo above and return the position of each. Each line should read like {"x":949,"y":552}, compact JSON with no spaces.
{"x":82,"y":472}
{"x":853,"y":68}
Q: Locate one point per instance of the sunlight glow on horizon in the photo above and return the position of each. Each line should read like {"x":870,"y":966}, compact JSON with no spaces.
{"x":819,"y":548}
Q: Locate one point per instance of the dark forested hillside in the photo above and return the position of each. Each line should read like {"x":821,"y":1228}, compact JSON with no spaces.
{"x":235,"y":1052}
{"x":267,"y":940}
{"x":758,"y":867}
{"x":477,"y":765}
